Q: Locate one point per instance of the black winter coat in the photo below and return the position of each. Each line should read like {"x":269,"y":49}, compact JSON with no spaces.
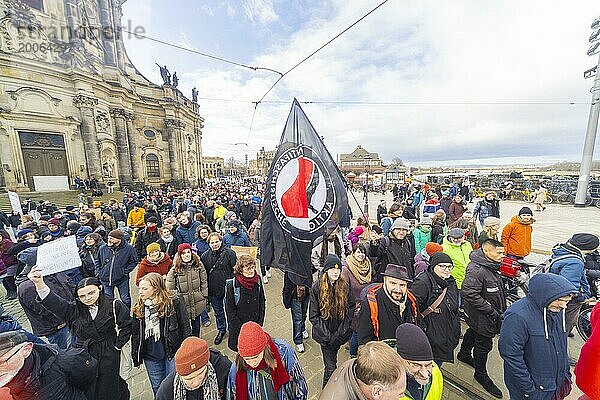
{"x":56,"y":375}
{"x":443,"y":327}
{"x":393,"y":251}
{"x":143,"y":239}
{"x":333,"y":331}
{"x":44,"y":322}
{"x":169,"y":248}
{"x":251,"y":307}
{"x":174,"y":328}
{"x":388,"y":316}
{"x":90,"y":260}
{"x":219,"y":267}
{"x":98,"y":336}
{"x":483,"y":295}
{"x":220,"y":363}
{"x":290,"y":291}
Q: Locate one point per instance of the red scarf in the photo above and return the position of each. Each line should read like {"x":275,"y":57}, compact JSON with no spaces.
{"x":248,"y":283}
{"x":279,"y":375}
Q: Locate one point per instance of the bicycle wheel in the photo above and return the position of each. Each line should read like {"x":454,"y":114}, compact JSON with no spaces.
{"x":549,"y":199}
{"x":563,"y":198}
{"x":584,"y":326}
{"x":598,"y":203}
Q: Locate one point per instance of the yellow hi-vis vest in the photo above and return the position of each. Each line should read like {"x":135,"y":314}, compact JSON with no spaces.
{"x":433,"y":390}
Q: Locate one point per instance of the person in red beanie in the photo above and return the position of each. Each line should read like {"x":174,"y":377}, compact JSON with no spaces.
{"x":265,"y":368}
{"x":200,"y":373}
{"x":422,"y":257}
{"x":587,"y":370}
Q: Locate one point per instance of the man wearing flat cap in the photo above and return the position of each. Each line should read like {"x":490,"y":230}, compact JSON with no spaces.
{"x":424,"y":379}
{"x":568,"y":260}
{"x":200,"y":373}
{"x":386,"y":305}
{"x":39,"y":371}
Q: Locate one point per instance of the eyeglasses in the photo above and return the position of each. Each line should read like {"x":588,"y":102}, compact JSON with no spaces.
{"x":447,"y":267}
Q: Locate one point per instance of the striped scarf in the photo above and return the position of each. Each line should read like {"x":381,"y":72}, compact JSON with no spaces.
{"x":210,"y":387}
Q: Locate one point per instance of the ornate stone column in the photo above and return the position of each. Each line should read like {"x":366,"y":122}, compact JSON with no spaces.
{"x":109,"y":32}
{"x":134,"y":154}
{"x":86,"y":106}
{"x":123,"y":151}
{"x":173,"y":126}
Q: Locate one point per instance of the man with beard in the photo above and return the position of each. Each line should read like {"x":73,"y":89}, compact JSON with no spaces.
{"x":386,"y":306}
{"x":397,"y":248}
{"x":38,"y":371}
{"x":219,"y":262}
{"x":424,"y":379}
{"x":117,"y":259}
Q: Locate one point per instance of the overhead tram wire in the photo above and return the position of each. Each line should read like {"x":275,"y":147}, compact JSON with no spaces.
{"x":321,"y":48}
{"x":401,"y":103}
{"x":217,"y":58}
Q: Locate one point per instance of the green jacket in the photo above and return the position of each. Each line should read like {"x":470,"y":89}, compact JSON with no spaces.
{"x":421,"y":238}
{"x":460,"y":258}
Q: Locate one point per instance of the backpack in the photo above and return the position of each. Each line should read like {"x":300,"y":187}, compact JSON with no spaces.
{"x":230,"y":285}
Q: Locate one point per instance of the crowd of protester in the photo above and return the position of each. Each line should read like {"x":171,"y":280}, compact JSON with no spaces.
{"x":392,"y":294}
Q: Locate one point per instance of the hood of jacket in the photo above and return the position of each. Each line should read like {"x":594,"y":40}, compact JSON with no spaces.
{"x":545,"y":288}
{"x":83,"y":231}
{"x":565,"y":249}
{"x":480,"y":259}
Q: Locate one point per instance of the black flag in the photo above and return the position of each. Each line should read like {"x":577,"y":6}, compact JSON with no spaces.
{"x":304,"y":191}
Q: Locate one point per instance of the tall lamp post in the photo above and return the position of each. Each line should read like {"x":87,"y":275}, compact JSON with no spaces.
{"x":592,"y":127}
{"x":367,"y":162}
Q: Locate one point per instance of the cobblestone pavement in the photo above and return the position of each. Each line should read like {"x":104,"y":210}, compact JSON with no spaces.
{"x":555,"y":224}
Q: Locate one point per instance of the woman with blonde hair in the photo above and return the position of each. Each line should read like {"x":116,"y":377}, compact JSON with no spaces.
{"x":188,"y":277}
{"x":331,"y":311}
{"x":160,"y":324}
{"x":244,"y":298}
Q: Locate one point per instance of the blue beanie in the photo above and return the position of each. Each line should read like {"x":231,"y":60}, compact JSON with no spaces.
{"x":24,"y":232}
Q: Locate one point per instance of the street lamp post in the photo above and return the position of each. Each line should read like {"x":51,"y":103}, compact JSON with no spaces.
{"x":367,"y":162}
{"x":592,"y":127}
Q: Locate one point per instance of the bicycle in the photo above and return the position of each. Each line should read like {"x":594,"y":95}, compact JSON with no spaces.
{"x":584,"y":325}
{"x":569,"y":198}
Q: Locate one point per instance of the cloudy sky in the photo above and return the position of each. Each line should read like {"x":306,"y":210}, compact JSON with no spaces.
{"x":426,"y":81}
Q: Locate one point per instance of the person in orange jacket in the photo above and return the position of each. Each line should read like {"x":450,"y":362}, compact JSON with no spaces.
{"x":516,"y":235}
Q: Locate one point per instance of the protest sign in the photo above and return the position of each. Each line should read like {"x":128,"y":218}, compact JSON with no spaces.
{"x":58,"y":255}
{"x":15,"y":202}
{"x":243,"y":250}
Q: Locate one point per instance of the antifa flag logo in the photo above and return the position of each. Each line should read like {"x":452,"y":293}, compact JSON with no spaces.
{"x":302,"y":195}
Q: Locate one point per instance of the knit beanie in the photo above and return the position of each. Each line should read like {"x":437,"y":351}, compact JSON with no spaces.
{"x":377,"y":229}
{"x":456,"y":233}
{"x":432,"y":247}
{"x":491,"y":221}
{"x":23,"y":232}
{"x":152,"y":247}
{"x":412,"y":343}
{"x":117,"y":234}
{"x":54,"y":221}
{"x":439,"y":258}
{"x":332,"y":261}
{"x":525,"y":211}
{"x":152,"y":219}
{"x":182,"y":247}
{"x":585,"y":241}
{"x":252,"y":339}
{"x":425,"y":220}
{"x":359,"y":230}
{"x":192,"y":355}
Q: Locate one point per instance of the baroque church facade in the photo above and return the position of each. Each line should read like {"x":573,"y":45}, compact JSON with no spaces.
{"x":72,"y":103}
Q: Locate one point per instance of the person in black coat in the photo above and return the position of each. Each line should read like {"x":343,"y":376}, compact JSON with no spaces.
{"x":192,"y":367}
{"x":94,"y":320}
{"x":219,"y":262}
{"x":331,"y":311}
{"x":89,"y":254}
{"x":43,"y":371}
{"x":442,"y":322}
{"x":484,"y":302}
{"x":44,"y":322}
{"x":398,"y":248}
{"x":150,"y":234}
{"x":395,"y":306}
{"x":160,"y":325}
{"x":168,"y":243}
{"x":244,"y":298}
{"x":247,"y":213}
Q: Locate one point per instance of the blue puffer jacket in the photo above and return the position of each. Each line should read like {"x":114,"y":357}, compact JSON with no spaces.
{"x":187,"y":235}
{"x":238,"y":238}
{"x":533,"y":341}
{"x":571,"y":265}
{"x":116,"y":263}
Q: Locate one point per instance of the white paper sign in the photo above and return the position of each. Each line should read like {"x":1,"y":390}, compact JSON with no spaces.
{"x":58,"y":255}
{"x":15,"y":202}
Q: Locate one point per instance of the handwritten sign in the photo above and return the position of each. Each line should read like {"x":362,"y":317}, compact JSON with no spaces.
{"x":58,"y":255}
{"x":15,"y":202}
{"x":243,"y":250}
